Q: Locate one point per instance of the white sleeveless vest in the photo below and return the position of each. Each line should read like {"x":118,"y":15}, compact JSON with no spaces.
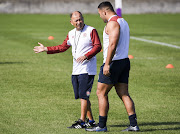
{"x":123,"y":44}
{"x":81,"y":44}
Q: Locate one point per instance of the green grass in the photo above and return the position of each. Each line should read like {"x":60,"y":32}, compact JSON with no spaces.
{"x":36,"y":95}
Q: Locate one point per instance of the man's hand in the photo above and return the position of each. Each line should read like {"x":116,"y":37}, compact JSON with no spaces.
{"x":106,"y":71}
{"x":81,"y":59}
{"x":41,"y":48}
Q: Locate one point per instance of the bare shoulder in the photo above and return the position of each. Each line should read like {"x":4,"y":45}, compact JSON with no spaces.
{"x":112,"y":25}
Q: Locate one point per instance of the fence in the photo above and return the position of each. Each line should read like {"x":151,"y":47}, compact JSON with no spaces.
{"x":87,"y":6}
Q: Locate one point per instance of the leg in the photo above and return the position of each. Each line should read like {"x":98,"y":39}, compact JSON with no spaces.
{"x":122,"y":91}
{"x":89,"y":112}
{"x":90,"y":122}
{"x":102,"y":93}
{"x":86,"y":110}
{"x":84,"y":105}
{"x":85,"y":83}
{"x":82,"y":85}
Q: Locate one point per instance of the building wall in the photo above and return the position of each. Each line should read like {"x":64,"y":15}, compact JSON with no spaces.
{"x":87,"y":6}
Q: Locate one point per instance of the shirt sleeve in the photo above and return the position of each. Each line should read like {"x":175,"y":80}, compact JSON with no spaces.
{"x":96,"y":45}
{"x":59,"y":48}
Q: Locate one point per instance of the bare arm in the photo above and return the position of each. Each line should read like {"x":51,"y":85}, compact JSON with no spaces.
{"x":113,"y":30}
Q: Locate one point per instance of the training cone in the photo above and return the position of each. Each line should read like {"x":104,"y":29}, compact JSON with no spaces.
{"x":101,"y":50}
{"x":50,"y":38}
{"x":130,"y":56}
{"x":169,"y":66}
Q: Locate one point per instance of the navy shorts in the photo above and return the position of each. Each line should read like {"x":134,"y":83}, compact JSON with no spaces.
{"x":119,"y":70}
{"x":82,"y":85}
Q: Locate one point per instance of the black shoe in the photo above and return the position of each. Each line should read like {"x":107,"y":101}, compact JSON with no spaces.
{"x":77,"y":125}
{"x":90,"y":124}
{"x":131,"y":128}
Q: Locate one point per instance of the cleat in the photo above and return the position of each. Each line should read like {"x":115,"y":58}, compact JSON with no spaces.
{"x":97,"y":129}
{"x":90,"y":124}
{"x":131,"y":128}
{"x":77,"y":125}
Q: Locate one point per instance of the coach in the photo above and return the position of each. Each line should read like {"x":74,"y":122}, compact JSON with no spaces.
{"x":85,"y":44}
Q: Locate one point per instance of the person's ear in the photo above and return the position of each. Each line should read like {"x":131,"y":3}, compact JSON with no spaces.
{"x":71,"y":22}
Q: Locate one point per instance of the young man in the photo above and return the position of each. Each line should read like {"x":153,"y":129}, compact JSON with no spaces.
{"x":85,"y":44}
{"x":115,"y":70}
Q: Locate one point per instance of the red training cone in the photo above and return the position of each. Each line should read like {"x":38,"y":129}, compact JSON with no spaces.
{"x":169,"y":66}
{"x":130,"y":56}
{"x":50,"y":38}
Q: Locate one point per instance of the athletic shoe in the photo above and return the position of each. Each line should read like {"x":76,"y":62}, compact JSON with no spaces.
{"x":131,"y":128}
{"x":90,"y":124}
{"x":97,"y":129}
{"x":77,"y":125}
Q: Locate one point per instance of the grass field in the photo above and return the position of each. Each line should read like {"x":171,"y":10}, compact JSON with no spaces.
{"x":36,"y":95}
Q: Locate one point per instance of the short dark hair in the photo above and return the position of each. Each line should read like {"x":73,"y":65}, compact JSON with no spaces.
{"x":78,"y":12}
{"x":106,"y":4}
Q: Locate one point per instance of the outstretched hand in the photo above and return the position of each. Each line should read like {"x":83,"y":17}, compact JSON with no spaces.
{"x":41,"y":48}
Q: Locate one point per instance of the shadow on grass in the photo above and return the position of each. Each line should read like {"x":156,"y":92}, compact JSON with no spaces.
{"x":3,"y":63}
{"x":169,"y":126}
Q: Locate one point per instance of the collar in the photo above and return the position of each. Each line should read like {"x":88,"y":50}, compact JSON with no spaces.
{"x":111,"y":17}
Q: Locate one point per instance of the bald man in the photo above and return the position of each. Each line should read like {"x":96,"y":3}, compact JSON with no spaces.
{"x":85,"y":44}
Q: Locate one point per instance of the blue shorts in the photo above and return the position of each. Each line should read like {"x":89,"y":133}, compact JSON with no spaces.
{"x":82,"y":85}
{"x":119,"y":70}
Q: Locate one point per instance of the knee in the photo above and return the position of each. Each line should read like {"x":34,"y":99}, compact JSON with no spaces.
{"x":122,"y":93}
{"x":101,"y":93}
{"x":98,"y":92}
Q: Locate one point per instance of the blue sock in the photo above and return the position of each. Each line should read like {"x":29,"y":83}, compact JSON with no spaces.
{"x":102,"y":121}
{"x":91,"y":121}
{"x":82,"y":123}
{"x":133,"y":120}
